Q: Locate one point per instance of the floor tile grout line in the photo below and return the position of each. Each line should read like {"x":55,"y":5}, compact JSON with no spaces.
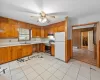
{"x":35,"y":71}
{"x":23,"y":72}
{"x":45,"y":70}
{"x":10,"y":71}
{"x":67,"y":71}
{"x":78,"y":72}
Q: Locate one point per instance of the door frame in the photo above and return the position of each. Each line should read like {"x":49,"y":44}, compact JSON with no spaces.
{"x":97,"y":39}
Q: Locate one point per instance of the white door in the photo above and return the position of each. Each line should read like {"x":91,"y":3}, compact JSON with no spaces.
{"x":90,"y":41}
{"x":60,"y":50}
{"x":60,"y":36}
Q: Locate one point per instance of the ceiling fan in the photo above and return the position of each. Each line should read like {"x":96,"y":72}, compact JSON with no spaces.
{"x":43,"y":17}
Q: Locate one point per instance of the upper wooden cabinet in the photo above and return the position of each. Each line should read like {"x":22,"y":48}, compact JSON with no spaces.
{"x":45,"y":32}
{"x":34,"y":32}
{"x":42,"y":33}
{"x":10,"y":31}
{"x":10,"y":28}
{"x":38,"y":32}
{"x":61,"y":29}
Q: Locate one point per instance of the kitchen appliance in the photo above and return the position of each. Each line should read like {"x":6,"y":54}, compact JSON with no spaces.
{"x":60,"y":45}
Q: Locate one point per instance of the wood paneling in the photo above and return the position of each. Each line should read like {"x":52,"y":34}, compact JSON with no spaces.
{"x":98,"y":43}
{"x":69,"y":48}
{"x":76,"y":38}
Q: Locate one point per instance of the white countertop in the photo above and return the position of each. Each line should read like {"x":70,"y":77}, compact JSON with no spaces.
{"x":21,"y":43}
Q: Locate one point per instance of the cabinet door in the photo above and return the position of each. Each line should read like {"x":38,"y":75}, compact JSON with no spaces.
{"x":55,"y":29}
{"x":10,"y":31}
{"x":27,"y":50}
{"x":5,"y":33}
{"x":42,"y":47}
{"x":16,"y":52}
{"x":5,"y":55}
{"x":42,"y":33}
{"x":61,"y":28}
{"x":38,"y":32}
{"x":45,"y":33}
{"x":52,"y":50}
{"x":34,"y":32}
{"x":14,"y":31}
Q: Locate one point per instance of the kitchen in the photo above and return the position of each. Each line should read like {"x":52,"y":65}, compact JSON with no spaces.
{"x":36,"y":39}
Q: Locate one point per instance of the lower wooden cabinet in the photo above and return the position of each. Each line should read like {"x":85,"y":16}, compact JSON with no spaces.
{"x":27,"y":50}
{"x":52,"y":49}
{"x":42,"y":47}
{"x":5,"y":55}
{"x":14,"y":52}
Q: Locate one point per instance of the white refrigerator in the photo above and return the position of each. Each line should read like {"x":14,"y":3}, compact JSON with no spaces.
{"x":60,"y":45}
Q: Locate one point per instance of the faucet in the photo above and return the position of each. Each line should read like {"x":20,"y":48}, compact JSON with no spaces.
{"x":9,"y":40}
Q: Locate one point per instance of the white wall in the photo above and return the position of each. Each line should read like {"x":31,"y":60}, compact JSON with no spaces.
{"x":71,"y":22}
{"x":90,"y":18}
{"x":90,"y":41}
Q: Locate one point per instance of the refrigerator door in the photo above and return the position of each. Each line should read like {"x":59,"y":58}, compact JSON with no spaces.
{"x":60,"y":36}
{"x":60,"y":50}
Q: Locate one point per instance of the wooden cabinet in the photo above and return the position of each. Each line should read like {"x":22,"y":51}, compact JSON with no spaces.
{"x":27,"y":50}
{"x":61,"y":29}
{"x":45,"y":32}
{"x":42,"y":33}
{"x":14,"y":52}
{"x":42,"y":47}
{"x":34,"y":32}
{"x":52,"y":49}
{"x":38,"y":32}
{"x":10,"y":31}
{"x":5,"y":55}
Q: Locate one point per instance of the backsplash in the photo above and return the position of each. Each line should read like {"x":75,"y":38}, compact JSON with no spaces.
{"x":8,"y":40}
{"x":15,"y":40}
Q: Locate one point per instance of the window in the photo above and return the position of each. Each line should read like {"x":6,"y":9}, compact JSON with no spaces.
{"x":24,"y":34}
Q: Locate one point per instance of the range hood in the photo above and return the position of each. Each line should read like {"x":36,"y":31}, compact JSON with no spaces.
{"x":50,"y":34}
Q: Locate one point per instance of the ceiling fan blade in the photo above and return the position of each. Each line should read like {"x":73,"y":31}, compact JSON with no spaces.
{"x":58,"y":14}
{"x":50,"y":16}
{"x":34,"y":16}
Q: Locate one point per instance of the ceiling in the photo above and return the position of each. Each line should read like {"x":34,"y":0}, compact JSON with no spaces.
{"x":73,"y":8}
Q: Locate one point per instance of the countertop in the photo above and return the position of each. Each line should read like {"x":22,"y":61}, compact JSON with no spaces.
{"x":21,"y":43}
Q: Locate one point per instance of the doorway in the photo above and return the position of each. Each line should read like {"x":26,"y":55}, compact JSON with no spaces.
{"x":84,"y":43}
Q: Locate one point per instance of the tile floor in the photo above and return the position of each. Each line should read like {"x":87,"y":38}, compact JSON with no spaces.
{"x":49,"y":68}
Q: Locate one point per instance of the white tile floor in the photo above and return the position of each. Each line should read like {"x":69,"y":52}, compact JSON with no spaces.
{"x":49,"y":68}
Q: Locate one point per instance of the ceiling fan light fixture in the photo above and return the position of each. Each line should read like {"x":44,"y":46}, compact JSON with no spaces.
{"x":42,"y":20}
